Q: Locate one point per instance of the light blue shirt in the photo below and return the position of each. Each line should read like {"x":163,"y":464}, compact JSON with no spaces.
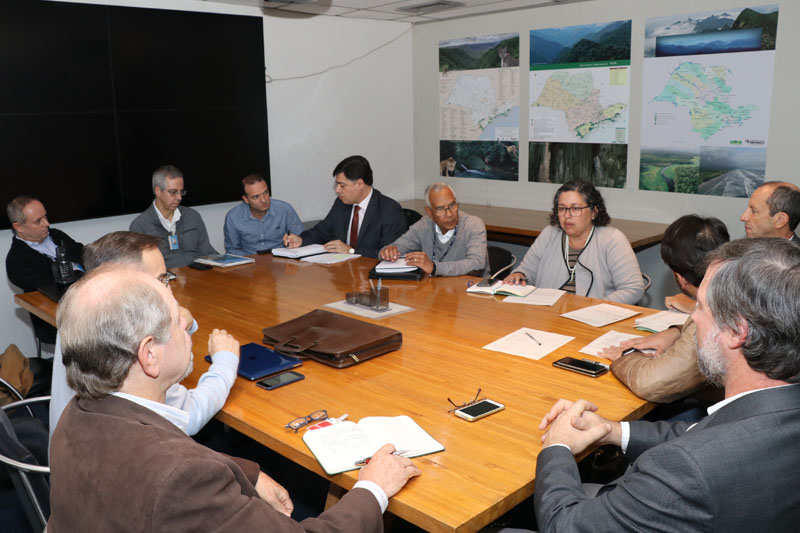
{"x":200,"y":403}
{"x":48,"y":247}
{"x":245,"y":234}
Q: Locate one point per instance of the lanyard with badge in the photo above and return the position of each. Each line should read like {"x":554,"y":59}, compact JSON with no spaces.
{"x":173,"y":242}
{"x":447,"y":251}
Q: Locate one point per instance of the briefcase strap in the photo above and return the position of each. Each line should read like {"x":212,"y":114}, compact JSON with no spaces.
{"x":286,"y":346}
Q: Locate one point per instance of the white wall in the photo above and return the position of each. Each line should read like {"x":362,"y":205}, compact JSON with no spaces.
{"x":365,"y":107}
{"x":629,"y":203}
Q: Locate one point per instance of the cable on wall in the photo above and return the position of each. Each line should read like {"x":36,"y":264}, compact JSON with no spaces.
{"x":270,"y":79}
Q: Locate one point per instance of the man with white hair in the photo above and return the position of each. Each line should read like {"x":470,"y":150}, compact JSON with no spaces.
{"x":120,"y":460}
{"x":446,"y":243}
{"x":735,"y":470}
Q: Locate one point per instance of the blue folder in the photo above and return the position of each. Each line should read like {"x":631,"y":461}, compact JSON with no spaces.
{"x":257,"y":361}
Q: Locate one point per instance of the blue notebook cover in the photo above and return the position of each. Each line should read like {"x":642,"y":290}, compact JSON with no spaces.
{"x":257,"y":361}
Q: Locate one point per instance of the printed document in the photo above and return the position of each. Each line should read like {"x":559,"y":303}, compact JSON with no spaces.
{"x":531,"y":343}
{"x":600,"y":315}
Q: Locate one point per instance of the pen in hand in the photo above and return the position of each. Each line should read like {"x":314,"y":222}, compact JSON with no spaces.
{"x":365,"y":461}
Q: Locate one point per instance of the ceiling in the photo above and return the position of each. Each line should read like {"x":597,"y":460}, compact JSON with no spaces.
{"x":391,"y":9}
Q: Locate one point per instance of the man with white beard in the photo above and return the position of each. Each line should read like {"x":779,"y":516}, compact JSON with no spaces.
{"x":735,"y":470}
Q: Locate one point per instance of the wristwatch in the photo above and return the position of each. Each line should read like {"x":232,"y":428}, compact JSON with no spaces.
{"x":351,"y":251}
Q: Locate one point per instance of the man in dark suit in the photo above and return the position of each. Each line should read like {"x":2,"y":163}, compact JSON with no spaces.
{"x":773,"y":211}
{"x":735,"y":470}
{"x":30,"y":261}
{"x":361,"y":220}
{"x":120,"y":458}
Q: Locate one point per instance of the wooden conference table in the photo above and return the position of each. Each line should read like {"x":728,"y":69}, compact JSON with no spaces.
{"x":488,"y":466}
{"x":522,"y":226}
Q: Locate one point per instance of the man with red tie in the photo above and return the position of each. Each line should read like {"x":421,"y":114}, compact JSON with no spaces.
{"x":361,"y":220}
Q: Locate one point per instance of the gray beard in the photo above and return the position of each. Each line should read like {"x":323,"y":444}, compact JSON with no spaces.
{"x":710,"y":359}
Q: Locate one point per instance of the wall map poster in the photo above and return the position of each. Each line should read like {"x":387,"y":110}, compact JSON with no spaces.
{"x":579,"y":103}
{"x":479,"y":107}
{"x":706,"y":101}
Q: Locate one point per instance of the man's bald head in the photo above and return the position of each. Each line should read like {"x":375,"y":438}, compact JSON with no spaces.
{"x":103,"y":318}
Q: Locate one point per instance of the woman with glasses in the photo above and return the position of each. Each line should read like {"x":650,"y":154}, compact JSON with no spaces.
{"x":580,"y":253}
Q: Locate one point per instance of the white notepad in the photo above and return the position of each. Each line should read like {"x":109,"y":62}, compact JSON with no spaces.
{"x":301,"y":251}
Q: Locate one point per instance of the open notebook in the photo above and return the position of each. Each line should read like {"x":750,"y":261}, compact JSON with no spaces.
{"x":339,"y":447}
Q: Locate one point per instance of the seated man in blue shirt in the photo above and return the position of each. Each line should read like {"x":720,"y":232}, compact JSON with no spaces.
{"x":259,"y":223}
{"x":200,"y":404}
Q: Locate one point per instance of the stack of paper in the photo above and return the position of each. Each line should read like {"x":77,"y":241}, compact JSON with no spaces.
{"x":498,"y":287}
{"x":394,"y":267}
{"x":600,"y":315}
{"x":661,"y":321}
{"x":329,"y":259}
{"x":607,"y":340}
{"x":297,"y":253}
{"x":537,"y":297}
{"x":224,"y":260}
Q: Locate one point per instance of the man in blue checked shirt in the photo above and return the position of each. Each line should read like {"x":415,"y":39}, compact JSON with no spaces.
{"x":260,"y":222}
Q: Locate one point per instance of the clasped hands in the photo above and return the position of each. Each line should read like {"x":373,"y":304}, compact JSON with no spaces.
{"x":578,"y":426}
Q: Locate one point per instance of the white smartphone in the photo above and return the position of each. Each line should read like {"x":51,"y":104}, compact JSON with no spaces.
{"x":479,"y":410}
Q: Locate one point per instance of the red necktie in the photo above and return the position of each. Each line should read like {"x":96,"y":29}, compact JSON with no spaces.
{"x":354,"y":228}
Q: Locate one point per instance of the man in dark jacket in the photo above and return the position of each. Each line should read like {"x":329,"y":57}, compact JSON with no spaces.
{"x":361,"y":220}
{"x":30,"y":261}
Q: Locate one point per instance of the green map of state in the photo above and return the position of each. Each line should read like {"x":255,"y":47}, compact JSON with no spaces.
{"x":704,"y":91}
{"x":577,"y":97}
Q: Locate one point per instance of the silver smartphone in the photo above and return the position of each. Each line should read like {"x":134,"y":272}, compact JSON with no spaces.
{"x":479,"y":410}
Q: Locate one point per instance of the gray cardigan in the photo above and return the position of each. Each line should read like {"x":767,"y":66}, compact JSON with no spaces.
{"x":467,"y":254}
{"x":191,"y":232}
{"x":607,"y":267}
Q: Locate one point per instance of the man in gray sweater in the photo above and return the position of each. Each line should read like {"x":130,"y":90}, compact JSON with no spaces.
{"x":446,"y":243}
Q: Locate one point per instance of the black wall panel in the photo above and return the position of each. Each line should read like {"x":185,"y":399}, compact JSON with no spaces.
{"x":94,"y":98}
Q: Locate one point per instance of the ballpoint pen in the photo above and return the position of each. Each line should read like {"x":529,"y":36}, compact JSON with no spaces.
{"x":365,"y":461}
{"x":534,"y":338}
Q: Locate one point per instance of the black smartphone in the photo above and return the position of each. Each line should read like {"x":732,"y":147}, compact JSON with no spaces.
{"x":279,"y":380}
{"x":587,"y":368}
{"x":199,"y":266}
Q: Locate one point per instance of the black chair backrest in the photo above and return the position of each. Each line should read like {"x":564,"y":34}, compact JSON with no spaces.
{"x":500,"y":259}
{"x":33,"y":489}
{"x":412,"y":217}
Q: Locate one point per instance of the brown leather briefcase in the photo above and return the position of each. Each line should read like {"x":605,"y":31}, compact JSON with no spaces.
{"x":333,"y":339}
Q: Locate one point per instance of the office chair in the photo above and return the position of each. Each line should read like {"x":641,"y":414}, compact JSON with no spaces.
{"x":31,"y":480}
{"x":501,"y":261}
{"x":412,"y":217}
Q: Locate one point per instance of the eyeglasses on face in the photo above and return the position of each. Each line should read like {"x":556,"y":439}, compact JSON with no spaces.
{"x":176,"y":192}
{"x":465,"y":404}
{"x":166,"y":277}
{"x":574,"y":210}
{"x":303,"y":421}
{"x":452,"y":207}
